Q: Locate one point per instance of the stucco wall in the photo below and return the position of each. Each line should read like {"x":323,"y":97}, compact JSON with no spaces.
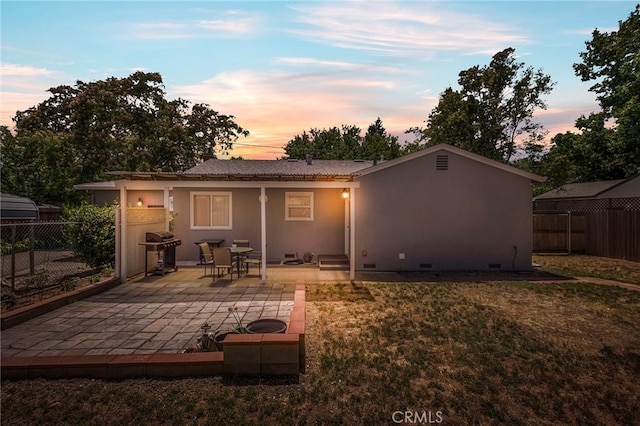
{"x":325,"y":234}
{"x":468,"y":217}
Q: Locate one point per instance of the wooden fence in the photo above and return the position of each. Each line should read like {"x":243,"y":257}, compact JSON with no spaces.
{"x":607,"y":233}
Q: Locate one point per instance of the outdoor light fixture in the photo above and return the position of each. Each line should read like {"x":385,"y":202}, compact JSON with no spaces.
{"x":139,"y":203}
{"x":345,"y":193}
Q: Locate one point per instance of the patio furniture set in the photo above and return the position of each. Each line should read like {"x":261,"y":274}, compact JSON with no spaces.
{"x":224,"y":258}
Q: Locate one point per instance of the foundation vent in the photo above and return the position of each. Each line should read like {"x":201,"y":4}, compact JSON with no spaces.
{"x":369,"y":266}
{"x":442,"y":162}
{"x":426,"y":265}
{"x":495,"y":266}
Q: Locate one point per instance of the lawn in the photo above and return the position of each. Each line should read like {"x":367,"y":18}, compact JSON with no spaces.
{"x":464,"y":353}
{"x":591,"y":266}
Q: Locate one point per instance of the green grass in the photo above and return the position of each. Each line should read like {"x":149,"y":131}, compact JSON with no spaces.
{"x":495,"y":353}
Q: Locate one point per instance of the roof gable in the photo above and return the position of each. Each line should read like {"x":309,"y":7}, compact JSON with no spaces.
{"x":457,"y":151}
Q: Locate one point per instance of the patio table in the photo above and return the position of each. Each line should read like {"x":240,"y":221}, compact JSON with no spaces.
{"x":240,"y":253}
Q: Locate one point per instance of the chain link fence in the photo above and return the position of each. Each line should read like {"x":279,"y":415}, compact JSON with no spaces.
{"x":36,"y":258}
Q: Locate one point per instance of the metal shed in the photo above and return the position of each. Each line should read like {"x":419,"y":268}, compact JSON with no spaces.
{"x":13,"y":207}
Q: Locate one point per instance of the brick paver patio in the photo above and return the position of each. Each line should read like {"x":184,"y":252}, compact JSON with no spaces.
{"x":156,"y":314}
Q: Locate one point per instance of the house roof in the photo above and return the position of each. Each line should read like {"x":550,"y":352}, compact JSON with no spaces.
{"x":580,"y":190}
{"x":452,"y":149}
{"x":298,"y":170}
{"x":260,"y":170}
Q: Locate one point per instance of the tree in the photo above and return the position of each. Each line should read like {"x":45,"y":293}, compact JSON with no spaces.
{"x":119,"y":124}
{"x":40,"y":166}
{"x":377,"y":144}
{"x":492,"y":112}
{"x":612,"y":61}
{"x":344,"y":143}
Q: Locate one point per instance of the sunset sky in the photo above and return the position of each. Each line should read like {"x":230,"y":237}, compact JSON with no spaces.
{"x":284,"y":67}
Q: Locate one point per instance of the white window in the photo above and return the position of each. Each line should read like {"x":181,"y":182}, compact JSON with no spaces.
{"x":211,"y":210}
{"x":298,"y":205}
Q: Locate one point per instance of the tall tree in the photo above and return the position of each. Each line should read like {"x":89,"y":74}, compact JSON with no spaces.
{"x":116,"y":124}
{"x":378,"y":144}
{"x":612,"y":62}
{"x":493,"y":110}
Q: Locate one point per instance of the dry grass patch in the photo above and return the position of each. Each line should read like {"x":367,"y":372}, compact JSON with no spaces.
{"x":495,"y":353}
{"x":591,"y":266}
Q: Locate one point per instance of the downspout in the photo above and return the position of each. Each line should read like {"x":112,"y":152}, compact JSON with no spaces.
{"x":263,"y":234}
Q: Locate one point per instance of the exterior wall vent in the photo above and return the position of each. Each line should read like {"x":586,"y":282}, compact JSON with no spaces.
{"x":426,"y":265}
{"x":369,"y":266}
{"x":442,"y":162}
{"x":495,"y":266}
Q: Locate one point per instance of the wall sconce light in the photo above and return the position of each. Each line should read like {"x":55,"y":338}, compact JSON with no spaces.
{"x":139,"y":203}
{"x":345,"y":194}
{"x":266,"y":198}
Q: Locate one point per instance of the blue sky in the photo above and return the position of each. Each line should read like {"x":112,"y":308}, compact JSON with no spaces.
{"x":284,"y":67}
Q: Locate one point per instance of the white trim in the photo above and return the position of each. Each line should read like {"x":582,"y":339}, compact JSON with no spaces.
{"x":310,"y":194}
{"x":457,"y":151}
{"x":210,"y":194}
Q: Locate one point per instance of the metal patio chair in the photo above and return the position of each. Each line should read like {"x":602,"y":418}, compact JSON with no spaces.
{"x":207,"y":257}
{"x":222,"y":260}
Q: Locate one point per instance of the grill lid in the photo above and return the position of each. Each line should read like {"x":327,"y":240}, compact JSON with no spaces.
{"x":158,"y":236}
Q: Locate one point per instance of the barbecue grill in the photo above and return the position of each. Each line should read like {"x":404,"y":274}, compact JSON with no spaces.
{"x":164,"y":244}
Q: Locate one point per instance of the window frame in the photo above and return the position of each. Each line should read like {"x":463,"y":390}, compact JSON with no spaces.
{"x":211,"y":195}
{"x":287,"y":206}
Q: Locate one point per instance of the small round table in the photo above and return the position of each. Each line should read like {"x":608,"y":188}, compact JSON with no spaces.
{"x":240,"y":253}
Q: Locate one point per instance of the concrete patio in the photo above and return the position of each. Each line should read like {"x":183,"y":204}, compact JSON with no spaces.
{"x":159,"y":314}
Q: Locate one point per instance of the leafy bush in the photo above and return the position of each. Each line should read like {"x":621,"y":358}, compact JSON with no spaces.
{"x":92,"y":234}
{"x":9,"y":298}
{"x":36,"y":283}
{"x":7,"y":248}
{"x":69,"y":284}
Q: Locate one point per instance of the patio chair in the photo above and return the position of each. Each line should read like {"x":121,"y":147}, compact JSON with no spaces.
{"x":207,"y":257}
{"x":253,"y":258}
{"x":222,"y":260}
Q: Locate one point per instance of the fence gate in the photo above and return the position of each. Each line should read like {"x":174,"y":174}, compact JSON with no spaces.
{"x":559,"y":232}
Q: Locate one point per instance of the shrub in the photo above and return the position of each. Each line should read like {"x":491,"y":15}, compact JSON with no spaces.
{"x":92,"y":234}
{"x":9,"y":298}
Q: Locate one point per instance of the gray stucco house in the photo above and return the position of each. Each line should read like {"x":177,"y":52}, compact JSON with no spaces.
{"x":441,"y":208}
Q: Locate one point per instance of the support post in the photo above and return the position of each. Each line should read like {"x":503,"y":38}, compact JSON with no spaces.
{"x":263,"y":234}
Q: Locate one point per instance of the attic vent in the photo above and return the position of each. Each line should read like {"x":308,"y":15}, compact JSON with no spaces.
{"x":442,"y":162}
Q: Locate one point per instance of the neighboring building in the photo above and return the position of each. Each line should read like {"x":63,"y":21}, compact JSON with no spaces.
{"x":15,"y":208}
{"x":441,"y":208}
{"x":612,"y":194}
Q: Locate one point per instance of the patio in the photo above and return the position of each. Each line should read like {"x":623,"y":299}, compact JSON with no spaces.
{"x":158,"y":314}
